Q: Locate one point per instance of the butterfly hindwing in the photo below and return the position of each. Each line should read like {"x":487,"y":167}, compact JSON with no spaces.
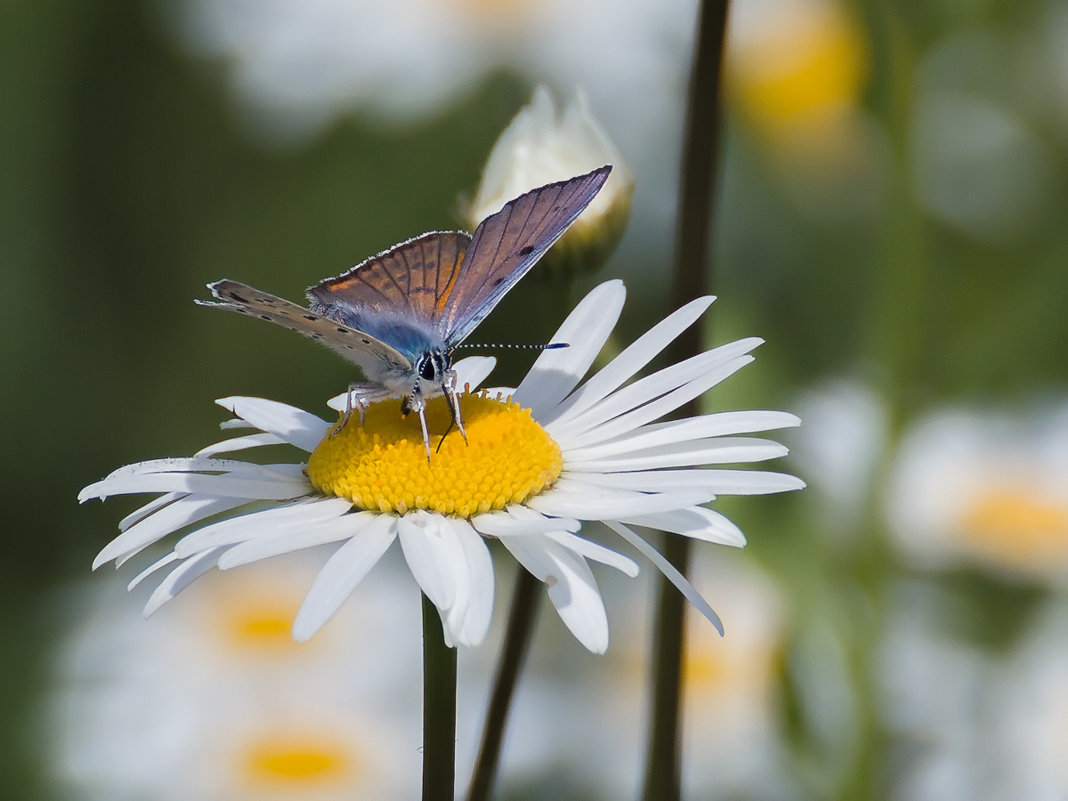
{"x":372,"y":355}
{"x":507,"y":244}
{"x":414,"y":279}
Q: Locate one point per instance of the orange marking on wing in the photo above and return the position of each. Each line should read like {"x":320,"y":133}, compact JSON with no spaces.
{"x":443,"y":298}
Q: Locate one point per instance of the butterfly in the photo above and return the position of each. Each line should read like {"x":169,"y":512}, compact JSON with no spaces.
{"x":399,"y":315}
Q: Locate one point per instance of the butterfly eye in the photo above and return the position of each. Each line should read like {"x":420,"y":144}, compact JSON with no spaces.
{"x":427,"y":368}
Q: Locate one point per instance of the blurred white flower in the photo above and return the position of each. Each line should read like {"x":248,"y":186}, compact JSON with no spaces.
{"x":984,"y":488}
{"x":933,"y":698}
{"x":298,"y":64}
{"x":978,"y":164}
{"x":840,"y":446}
{"x":965,"y":723}
{"x":212,"y":700}
{"x":542,"y":145}
{"x":733,"y":747}
{"x":1030,"y":727}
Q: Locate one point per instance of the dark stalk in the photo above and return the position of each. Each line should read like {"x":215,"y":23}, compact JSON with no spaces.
{"x":513,"y":654}
{"x":691,"y":279}
{"x":439,"y":709}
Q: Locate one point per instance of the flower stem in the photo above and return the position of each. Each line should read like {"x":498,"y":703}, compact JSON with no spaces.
{"x":439,"y":709}
{"x":690,"y":280}
{"x":513,"y":653}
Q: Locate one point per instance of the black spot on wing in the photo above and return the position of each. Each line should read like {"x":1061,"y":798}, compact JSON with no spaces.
{"x":525,"y":251}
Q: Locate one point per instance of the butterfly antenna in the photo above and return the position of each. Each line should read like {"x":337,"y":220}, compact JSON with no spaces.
{"x":514,"y":346}
{"x":442,"y":440}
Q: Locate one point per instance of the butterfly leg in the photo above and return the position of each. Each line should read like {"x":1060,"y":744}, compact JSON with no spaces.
{"x":448,"y":388}
{"x":416,"y":403}
{"x":358,"y":398}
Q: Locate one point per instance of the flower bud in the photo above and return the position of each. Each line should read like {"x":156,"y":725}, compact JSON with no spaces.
{"x":541,"y":146}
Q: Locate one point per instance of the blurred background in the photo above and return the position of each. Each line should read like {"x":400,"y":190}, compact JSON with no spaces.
{"x":891,"y":219}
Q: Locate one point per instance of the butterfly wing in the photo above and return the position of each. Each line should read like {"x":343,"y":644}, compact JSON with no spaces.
{"x":374,"y":357}
{"x":410,"y":283}
{"x":507,"y":244}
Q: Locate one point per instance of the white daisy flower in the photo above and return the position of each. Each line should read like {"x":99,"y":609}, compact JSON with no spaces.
{"x":797,"y":72}
{"x":938,"y":729}
{"x":555,"y":453}
{"x":1029,"y":728}
{"x":839,"y":448}
{"x":296,"y":66}
{"x":215,"y":697}
{"x":732,"y":697}
{"x":984,"y":488}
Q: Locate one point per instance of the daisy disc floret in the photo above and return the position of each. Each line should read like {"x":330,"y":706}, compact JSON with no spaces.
{"x":540,"y":460}
{"x":381,"y":464}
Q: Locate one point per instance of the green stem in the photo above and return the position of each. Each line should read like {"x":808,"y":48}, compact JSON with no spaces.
{"x":439,"y":709}
{"x":513,"y":653}
{"x":691,"y":279}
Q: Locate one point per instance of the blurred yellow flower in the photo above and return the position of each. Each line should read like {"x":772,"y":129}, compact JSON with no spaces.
{"x":985,"y":488}
{"x":212,"y":699}
{"x":796,"y":69}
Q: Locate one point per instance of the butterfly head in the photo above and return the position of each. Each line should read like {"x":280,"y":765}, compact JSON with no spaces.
{"x":433,"y":370}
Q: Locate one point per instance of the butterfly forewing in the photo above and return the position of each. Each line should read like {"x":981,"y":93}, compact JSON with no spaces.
{"x":507,"y":244}
{"x":414,"y":279}
{"x":372,"y":355}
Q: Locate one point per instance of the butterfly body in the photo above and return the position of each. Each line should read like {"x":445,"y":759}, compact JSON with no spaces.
{"x":399,"y":315}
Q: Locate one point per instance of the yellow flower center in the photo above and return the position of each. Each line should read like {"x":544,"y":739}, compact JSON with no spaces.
{"x":259,"y":623}
{"x":285,"y":759}
{"x":382,"y":465}
{"x":796,"y":72}
{"x":1018,"y":526}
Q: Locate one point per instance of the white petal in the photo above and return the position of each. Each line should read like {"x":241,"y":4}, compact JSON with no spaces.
{"x":652,"y":410}
{"x":218,"y":477}
{"x":598,"y":503}
{"x":180,"y":578}
{"x":670,"y":572}
{"x":595,"y":551}
{"x":179,"y":514}
{"x":235,"y":422}
{"x":688,"y":430}
{"x":696,"y":522}
{"x":217,"y":486}
{"x":432,"y":556}
{"x":468,"y":618}
{"x":167,"y":559}
{"x":139,"y":514}
{"x":264,"y":523}
{"x":513,"y":522}
{"x":721,"y":362}
{"x":722,"y":450}
{"x":473,"y":370}
{"x":721,"y":482}
{"x":586,"y":329}
{"x":631,"y":360}
{"x":341,"y":573}
{"x":296,"y":538}
{"x":240,"y":443}
{"x":571,"y":587}
{"x":295,"y":426}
